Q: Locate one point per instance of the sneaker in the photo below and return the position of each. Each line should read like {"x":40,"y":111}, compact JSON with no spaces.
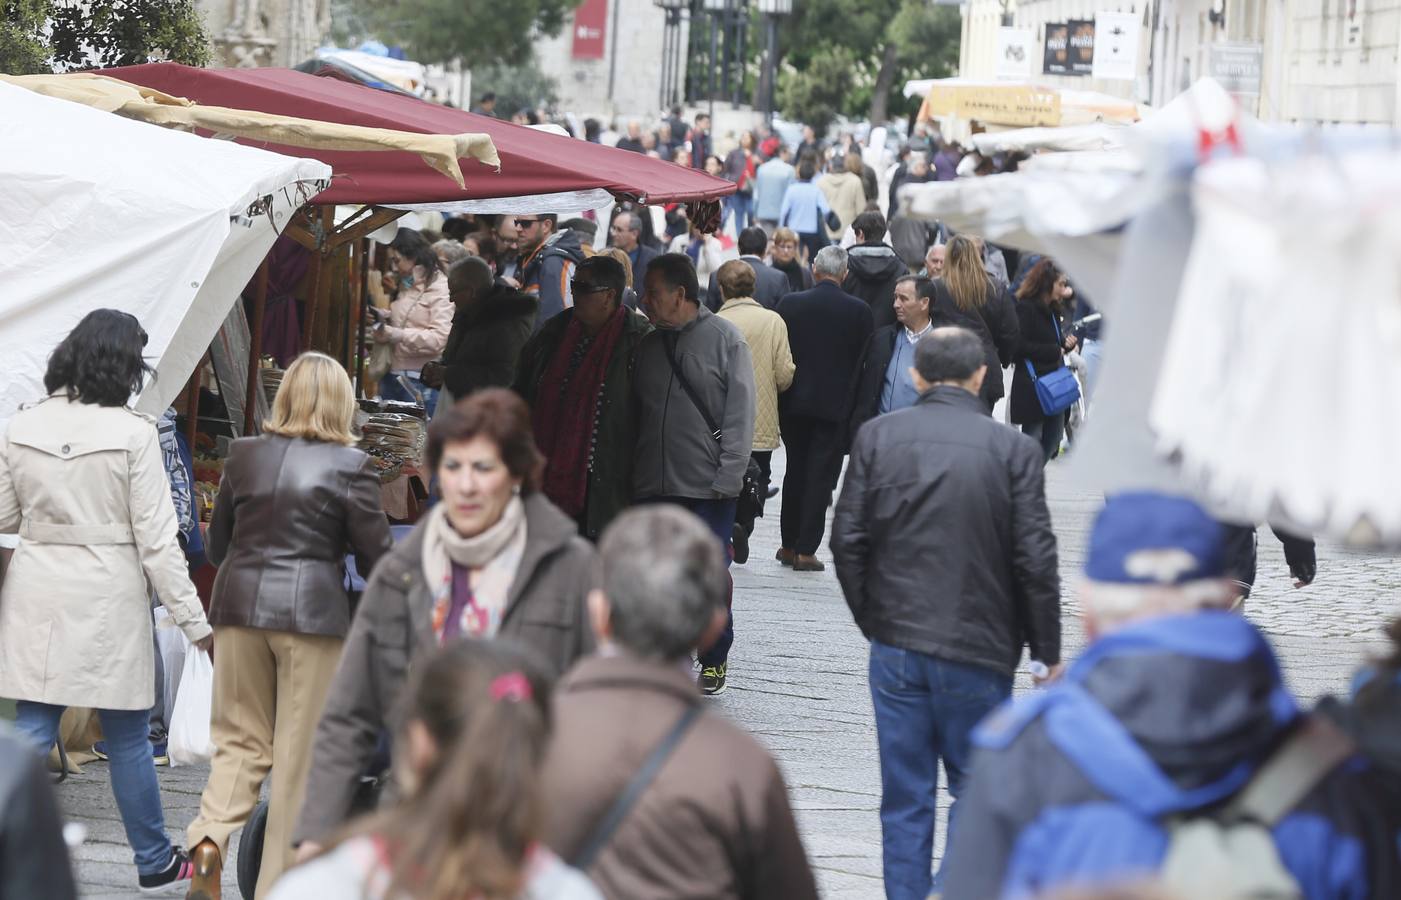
{"x":739,"y":544}
{"x":712,"y":680}
{"x":171,"y":878}
{"x":159,"y":754}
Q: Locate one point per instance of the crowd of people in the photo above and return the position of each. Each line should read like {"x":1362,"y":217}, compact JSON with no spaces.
{"x":528,"y":663}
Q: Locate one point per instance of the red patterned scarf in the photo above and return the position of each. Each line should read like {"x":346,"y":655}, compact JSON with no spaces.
{"x":564,"y":415}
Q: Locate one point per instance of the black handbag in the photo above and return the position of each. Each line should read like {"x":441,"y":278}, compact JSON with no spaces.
{"x":833,"y":221}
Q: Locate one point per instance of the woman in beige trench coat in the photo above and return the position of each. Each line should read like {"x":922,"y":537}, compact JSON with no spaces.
{"x":83,"y":482}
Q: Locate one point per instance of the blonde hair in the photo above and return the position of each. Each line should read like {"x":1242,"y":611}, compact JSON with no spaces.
{"x":315,"y":401}
{"x":622,"y":257}
{"x":964,"y":274}
{"x":786,"y":235}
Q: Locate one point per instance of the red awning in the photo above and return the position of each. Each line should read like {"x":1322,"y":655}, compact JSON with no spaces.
{"x":532,"y":162}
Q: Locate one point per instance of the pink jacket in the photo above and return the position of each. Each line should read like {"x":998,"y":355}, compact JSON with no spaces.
{"x":419,"y":322}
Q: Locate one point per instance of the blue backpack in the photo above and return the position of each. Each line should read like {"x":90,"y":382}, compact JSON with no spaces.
{"x":1217,"y":840}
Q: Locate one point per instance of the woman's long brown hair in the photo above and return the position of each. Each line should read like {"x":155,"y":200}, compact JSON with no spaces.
{"x":964,"y":274}
{"x":1040,"y":282}
{"x":468,"y":825}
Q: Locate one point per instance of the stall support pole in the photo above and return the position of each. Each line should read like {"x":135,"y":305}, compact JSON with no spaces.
{"x":362,"y":303}
{"x":192,"y":404}
{"x":255,"y":348}
{"x":326,"y":222}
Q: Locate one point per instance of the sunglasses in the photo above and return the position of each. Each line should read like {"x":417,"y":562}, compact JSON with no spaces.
{"x":525,"y":223}
{"x":580,"y":287}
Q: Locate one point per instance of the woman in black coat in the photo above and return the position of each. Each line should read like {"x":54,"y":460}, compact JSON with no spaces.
{"x":1043,"y":346}
{"x":966,"y":296}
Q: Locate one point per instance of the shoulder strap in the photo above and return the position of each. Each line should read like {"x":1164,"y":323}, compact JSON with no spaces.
{"x":669,"y":342}
{"x":603,"y":832}
{"x":1309,"y":754}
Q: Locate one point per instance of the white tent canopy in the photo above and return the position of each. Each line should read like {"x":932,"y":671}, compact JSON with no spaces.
{"x":101,"y":211}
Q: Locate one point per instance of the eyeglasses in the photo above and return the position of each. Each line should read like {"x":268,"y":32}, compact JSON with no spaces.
{"x":525,"y":223}
{"x":580,"y":287}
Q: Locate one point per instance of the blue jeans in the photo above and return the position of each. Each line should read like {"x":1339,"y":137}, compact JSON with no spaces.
{"x":926,"y":709}
{"x":742,"y":206}
{"x":1092,"y":351}
{"x":133,"y":773}
{"x":719,"y":517}
{"x":390,"y":388}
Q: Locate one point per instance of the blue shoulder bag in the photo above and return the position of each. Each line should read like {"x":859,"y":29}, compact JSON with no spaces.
{"x":1056,"y":391}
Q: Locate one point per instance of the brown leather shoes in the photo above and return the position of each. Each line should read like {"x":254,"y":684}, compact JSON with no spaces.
{"x":808,"y":564}
{"x":209,"y":872}
{"x":785,"y":556}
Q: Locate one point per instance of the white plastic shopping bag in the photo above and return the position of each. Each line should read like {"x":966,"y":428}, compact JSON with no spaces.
{"x":190,"y":743}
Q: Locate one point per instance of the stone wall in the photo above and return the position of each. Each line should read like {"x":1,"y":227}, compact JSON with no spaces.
{"x":249,"y":33}
{"x":635,"y":67}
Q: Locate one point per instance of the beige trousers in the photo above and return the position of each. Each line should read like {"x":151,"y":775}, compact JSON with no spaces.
{"x":269,"y":688}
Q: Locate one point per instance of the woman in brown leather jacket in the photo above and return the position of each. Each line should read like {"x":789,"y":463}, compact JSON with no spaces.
{"x":291,"y":503}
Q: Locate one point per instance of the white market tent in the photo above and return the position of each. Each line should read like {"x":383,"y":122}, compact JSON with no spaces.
{"x":102,"y":211}
{"x":1216,"y":244}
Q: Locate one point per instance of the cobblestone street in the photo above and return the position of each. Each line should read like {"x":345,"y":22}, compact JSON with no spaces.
{"x":798,"y":681}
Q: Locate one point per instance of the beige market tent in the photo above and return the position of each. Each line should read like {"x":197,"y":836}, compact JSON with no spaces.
{"x":1017,"y":104}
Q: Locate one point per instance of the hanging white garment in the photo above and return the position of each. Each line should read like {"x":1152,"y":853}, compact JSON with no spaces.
{"x":1283,"y":364}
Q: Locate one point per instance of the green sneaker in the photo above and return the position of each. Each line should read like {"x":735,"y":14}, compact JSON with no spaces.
{"x":712,"y":680}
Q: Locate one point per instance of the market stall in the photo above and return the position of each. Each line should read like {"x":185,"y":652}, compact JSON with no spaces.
{"x":1247,"y":277}
{"x":328,"y":278}
{"x":966,"y":106}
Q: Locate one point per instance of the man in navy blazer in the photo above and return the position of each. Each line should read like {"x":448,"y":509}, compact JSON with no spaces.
{"x":827,"y":331}
{"x":770,"y":285}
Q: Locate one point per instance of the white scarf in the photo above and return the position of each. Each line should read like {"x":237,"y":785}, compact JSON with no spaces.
{"x":493,"y":557}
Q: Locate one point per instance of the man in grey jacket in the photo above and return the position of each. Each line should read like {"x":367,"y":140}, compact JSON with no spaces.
{"x":695,"y":390}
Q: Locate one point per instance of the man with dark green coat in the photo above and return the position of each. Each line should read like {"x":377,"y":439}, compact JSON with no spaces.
{"x":576,"y":373}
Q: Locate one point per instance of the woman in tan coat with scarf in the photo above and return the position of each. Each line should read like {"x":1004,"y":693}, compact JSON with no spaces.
{"x":83,"y":482}
{"x":767,"y":336}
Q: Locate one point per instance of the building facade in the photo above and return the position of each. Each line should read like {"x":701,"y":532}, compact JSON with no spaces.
{"x":249,"y":33}
{"x":608,"y":58}
{"x":1316,"y":61}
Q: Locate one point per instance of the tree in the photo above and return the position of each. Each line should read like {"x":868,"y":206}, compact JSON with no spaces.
{"x":23,"y":50}
{"x":882,"y":43}
{"x":516,"y":87}
{"x":43,"y":36}
{"x":475,"y":31}
{"x":818,"y":93}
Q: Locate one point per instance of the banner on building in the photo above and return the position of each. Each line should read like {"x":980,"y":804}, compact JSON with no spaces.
{"x":1236,"y":66}
{"x":1014,"y":53}
{"x":1116,"y":46}
{"x":1082,"y":46}
{"x":590,"y":29}
{"x":1057,"y":58}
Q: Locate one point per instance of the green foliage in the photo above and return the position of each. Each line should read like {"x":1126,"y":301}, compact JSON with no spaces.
{"x":98,"y":33}
{"x":22,"y":47}
{"x":516,"y":87}
{"x":475,"y":31}
{"x":821,"y":90}
{"x":835,"y":55}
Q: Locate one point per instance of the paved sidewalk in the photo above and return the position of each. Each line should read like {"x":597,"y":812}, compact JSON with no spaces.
{"x":798,"y":681}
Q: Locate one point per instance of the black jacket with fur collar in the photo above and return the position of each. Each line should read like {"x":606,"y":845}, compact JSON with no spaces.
{"x":484,"y":347}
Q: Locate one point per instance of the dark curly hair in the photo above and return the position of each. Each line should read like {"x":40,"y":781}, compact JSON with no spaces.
{"x":499,"y":415}
{"x":100,"y":361}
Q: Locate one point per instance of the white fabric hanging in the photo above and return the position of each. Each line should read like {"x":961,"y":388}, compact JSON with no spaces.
{"x":1282,"y":369}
